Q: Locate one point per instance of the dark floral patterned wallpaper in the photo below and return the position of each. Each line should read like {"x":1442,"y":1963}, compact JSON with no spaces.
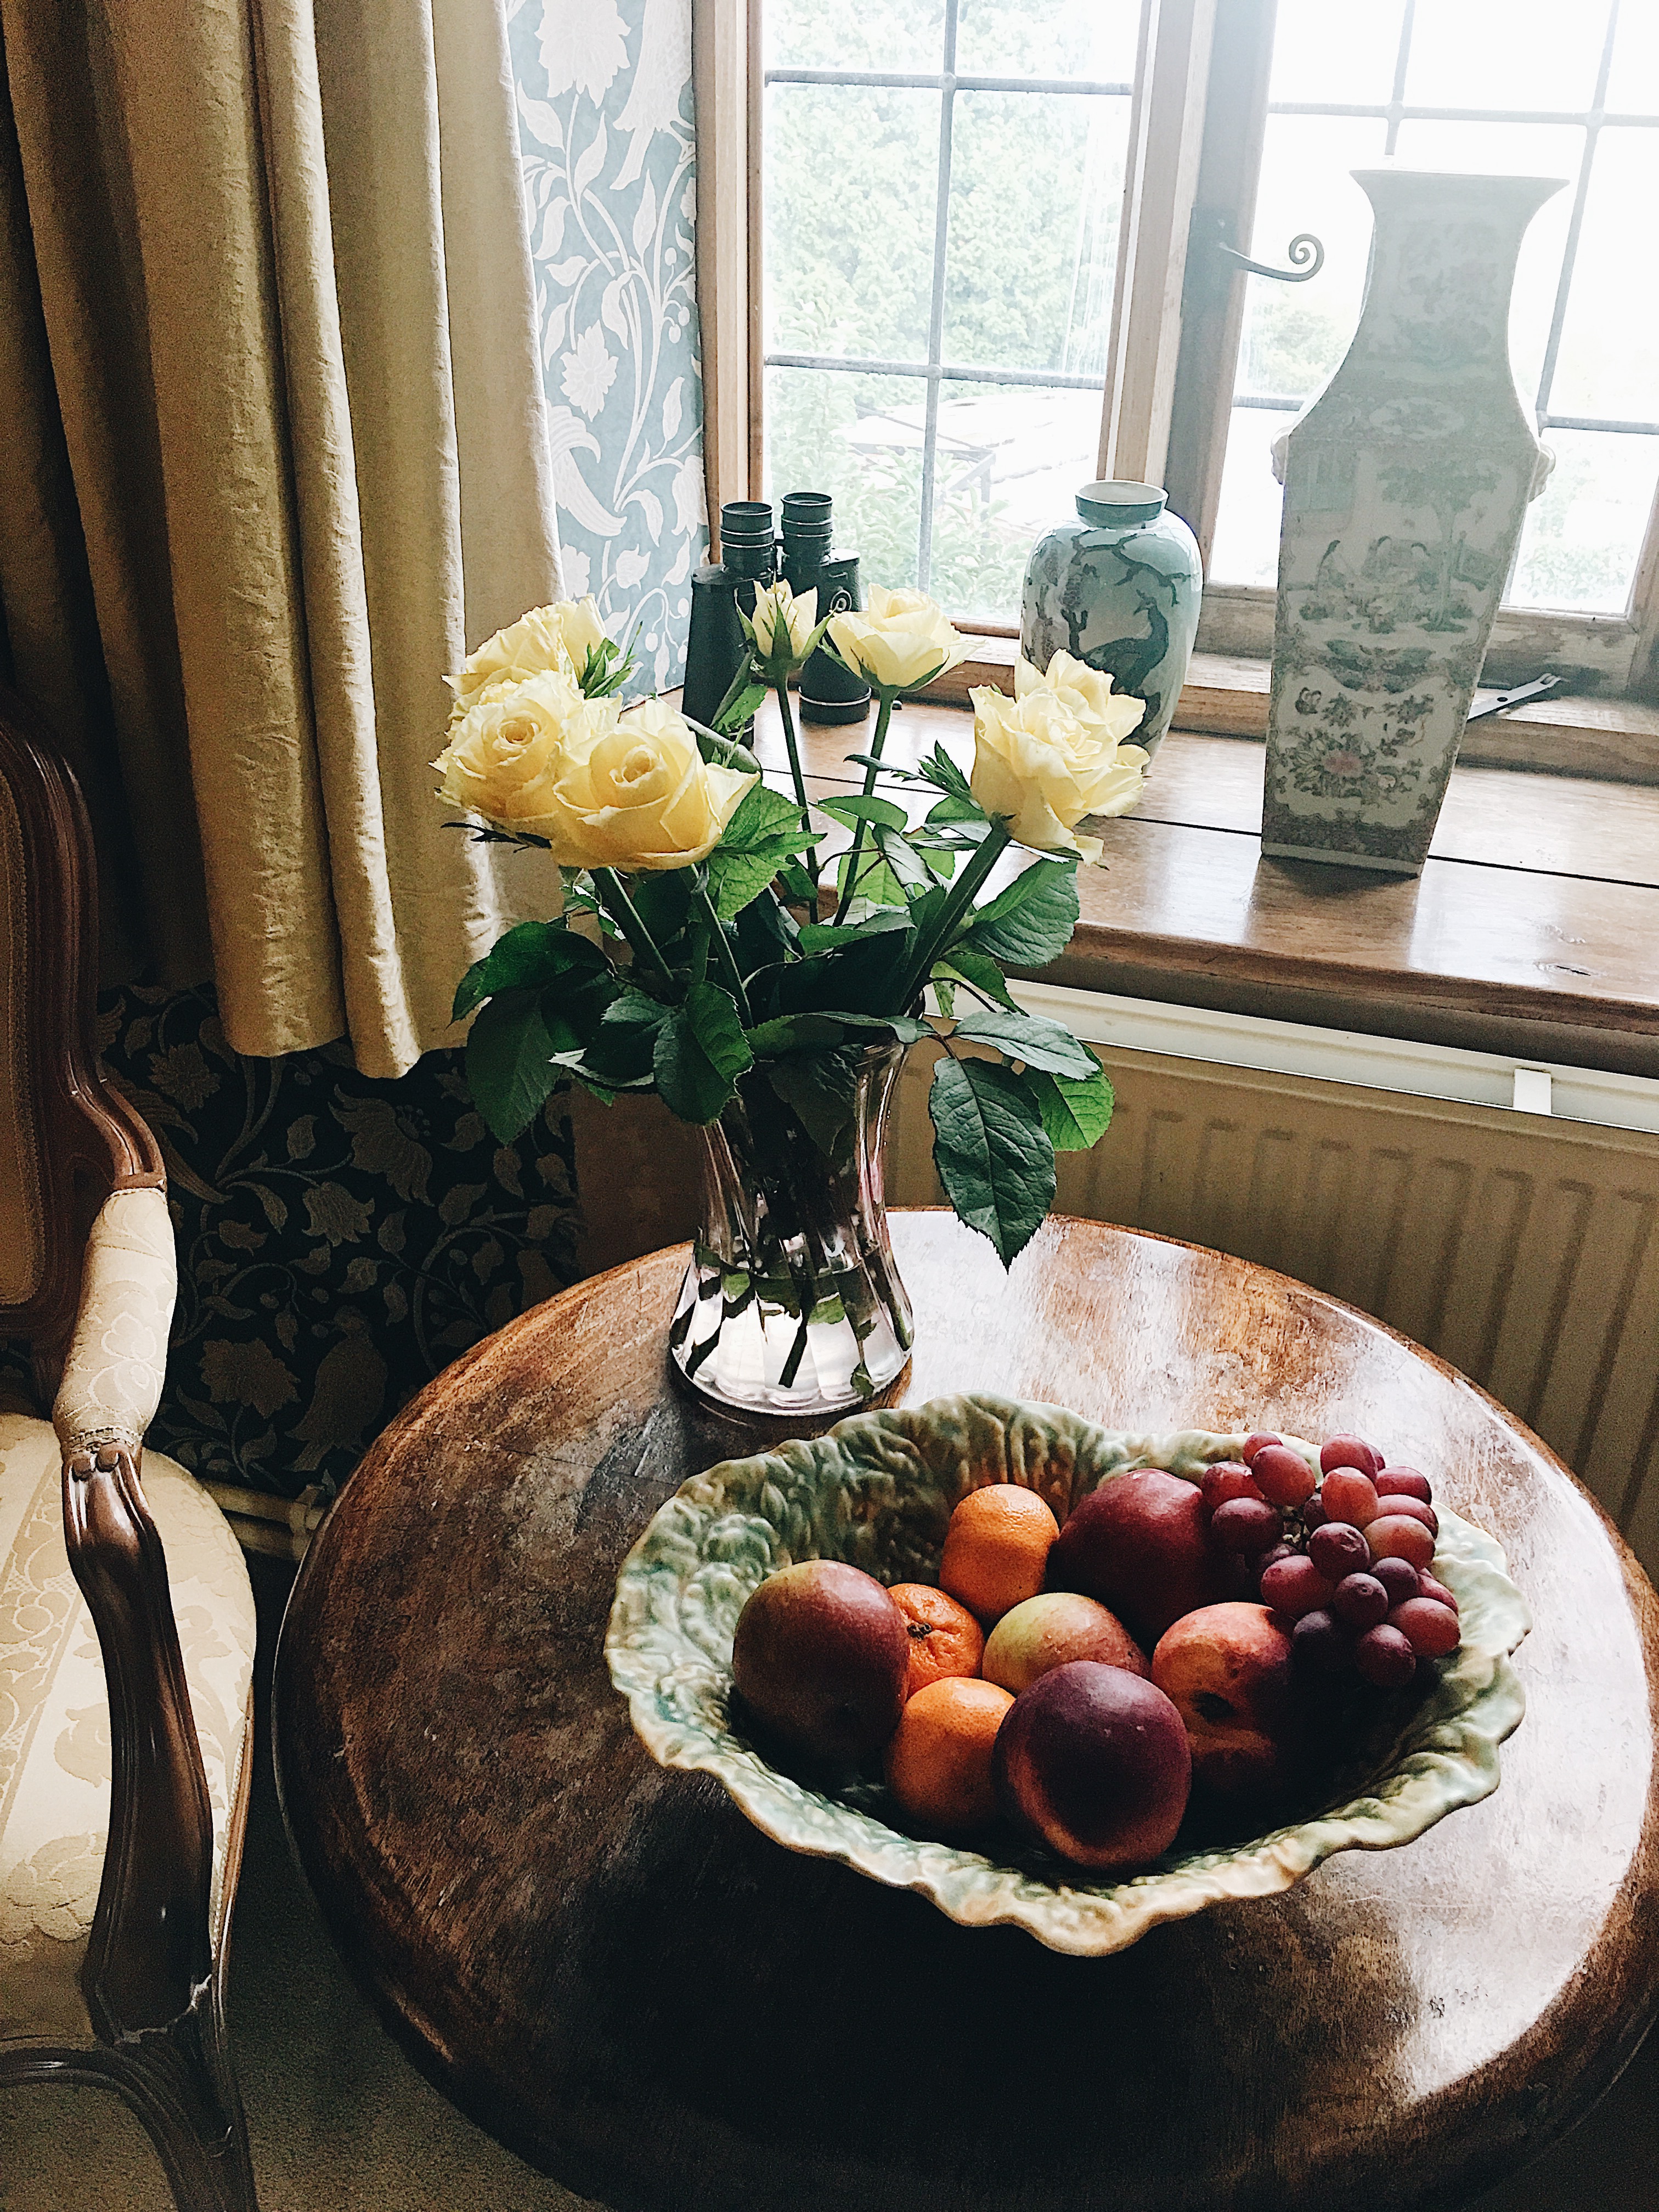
{"x":340,"y":1240}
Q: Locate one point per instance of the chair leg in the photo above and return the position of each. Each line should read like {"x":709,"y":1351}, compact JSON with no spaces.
{"x":180,"y":2085}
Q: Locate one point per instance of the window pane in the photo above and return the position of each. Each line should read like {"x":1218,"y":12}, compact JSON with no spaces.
{"x":1633,"y":84}
{"x":1036,"y":181}
{"x":1093,"y":38}
{"x":1011,"y":460}
{"x":1295,"y":334}
{"x":1585,"y":531}
{"x":1354,"y":68}
{"x":1593,"y":376}
{"x":851,"y":180}
{"x":1246,"y":549}
{"x":1506,"y":53}
{"x":855,"y":34}
{"x":859,"y":438}
{"x":1515,"y":149}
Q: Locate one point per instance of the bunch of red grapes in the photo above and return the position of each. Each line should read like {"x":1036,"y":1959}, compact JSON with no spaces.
{"x":1347,"y":1559}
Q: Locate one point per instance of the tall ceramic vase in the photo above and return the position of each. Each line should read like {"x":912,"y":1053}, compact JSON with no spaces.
{"x":1405,"y":485}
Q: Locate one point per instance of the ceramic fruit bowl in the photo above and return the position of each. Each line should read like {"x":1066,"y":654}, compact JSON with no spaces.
{"x":877,"y":1492}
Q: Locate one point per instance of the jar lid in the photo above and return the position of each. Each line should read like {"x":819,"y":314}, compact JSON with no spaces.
{"x":1118,"y":505}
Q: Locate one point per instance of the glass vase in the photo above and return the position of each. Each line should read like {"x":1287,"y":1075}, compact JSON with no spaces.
{"x":792,"y":1303}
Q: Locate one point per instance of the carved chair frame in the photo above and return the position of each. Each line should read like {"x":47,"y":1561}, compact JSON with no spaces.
{"x":153,"y":1988}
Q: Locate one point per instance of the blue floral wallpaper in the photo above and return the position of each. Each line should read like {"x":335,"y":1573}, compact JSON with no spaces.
{"x":604,"y":107}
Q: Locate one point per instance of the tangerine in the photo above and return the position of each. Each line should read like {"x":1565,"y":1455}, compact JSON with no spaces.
{"x":996,"y":1549}
{"x":939,"y":1763}
{"x":946,"y":1640}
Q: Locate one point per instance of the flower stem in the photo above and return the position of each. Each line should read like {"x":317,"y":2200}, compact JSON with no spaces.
{"x":722,"y":945}
{"x":964,"y":893}
{"x":783,"y":688}
{"x":883,"y":718}
{"x":612,"y":895}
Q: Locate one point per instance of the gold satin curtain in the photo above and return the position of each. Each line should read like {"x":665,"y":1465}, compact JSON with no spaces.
{"x":271,"y":458}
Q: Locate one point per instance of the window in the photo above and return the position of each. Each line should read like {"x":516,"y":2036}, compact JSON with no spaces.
{"x":982,"y":248}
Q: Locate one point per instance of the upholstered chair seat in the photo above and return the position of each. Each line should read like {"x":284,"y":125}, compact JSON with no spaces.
{"x":54,"y":1758}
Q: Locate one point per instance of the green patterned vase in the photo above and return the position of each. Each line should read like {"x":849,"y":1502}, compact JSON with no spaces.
{"x":1119,"y":588}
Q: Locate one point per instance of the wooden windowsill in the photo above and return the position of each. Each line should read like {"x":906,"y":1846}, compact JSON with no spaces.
{"x":1613,"y":740}
{"x":1533,"y":929}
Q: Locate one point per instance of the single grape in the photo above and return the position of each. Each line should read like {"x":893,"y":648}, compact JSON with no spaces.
{"x":1246,"y":1524}
{"x":1414,"y":1508}
{"x":1337,"y":1550}
{"x":1359,"y":1602}
{"x":1395,"y":1536}
{"x":1384,"y":1656}
{"x":1320,"y":1641}
{"x":1259,"y":1565}
{"x":1403,"y":1482}
{"x":1294,"y":1585}
{"x":1259,"y":1442}
{"x":1349,"y":1496}
{"x":1314,"y":1515}
{"x":1429,"y":1588}
{"x":1350,"y":1451}
{"x":1228,"y":1478}
{"x":1399,"y":1577}
{"x":1431,"y":1629}
{"x":1282,"y":1476}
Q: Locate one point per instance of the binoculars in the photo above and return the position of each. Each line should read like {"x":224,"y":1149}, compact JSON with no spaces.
{"x":751,"y":556}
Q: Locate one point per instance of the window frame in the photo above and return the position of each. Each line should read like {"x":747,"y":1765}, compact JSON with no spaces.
{"x":1191,"y":177}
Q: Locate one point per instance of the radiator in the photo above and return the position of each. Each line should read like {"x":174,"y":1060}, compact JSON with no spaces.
{"x":1504,"y":1216}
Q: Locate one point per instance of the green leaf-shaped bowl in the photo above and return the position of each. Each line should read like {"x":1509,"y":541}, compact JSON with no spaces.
{"x":877,"y":1491}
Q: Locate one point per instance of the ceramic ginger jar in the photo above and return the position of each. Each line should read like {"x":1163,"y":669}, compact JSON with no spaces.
{"x":1119,"y":588}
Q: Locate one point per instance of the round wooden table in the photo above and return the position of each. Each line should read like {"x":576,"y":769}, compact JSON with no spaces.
{"x":609,"y":1970}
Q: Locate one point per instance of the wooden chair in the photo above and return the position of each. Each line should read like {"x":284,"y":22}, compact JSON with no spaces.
{"x":126,"y":1754}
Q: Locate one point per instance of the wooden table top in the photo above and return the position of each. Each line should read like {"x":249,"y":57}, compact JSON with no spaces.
{"x":1531,"y":930}
{"x":612,"y":1971}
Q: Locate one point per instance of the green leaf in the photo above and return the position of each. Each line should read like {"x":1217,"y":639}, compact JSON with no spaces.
{"x":763,"y":817}
{"x":623,"y":1048}
{"x":509,"y":1056}
{"x":1075,"y":1114}
{"x":860,"y":809}
{"x":535,"y":952}
{"x":1031,"y":922}
{"x":942,"y":772}
{"x":982,"y":973}
{"x":722,"y":751}
{"x":740,"y":709}
{"x":821,"y":1093}
{"x":877,"y":885}
{"x":765,"y":932}
{"x":912,"y":872}
{"x":955,"y":807}
{"x":700,"y":1050}
{"x":992,"y":1153}
{"x":662,"y":899}
{"x":830,"y":936}
{"x":793,"y":1033}
{"x":736,"y":879}
{"x":1039,"y":1043}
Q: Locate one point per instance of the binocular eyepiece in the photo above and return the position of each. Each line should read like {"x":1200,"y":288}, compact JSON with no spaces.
{"x":751,"y":556}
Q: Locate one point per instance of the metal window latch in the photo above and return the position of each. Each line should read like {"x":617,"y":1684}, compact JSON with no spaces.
{"x":1210,"y":242}
{"x":1518,"y":697}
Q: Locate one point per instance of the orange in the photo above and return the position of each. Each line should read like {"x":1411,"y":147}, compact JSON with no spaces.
{"x":944,"y":1637}
{"x":996,"y":1549}
{"x":938,"y":1764}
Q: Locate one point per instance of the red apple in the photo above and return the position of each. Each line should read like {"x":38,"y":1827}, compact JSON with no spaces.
{"x":821,"y":1658}
{"x":1093,"y":1762}
{"x":1226,"y":1669}
{"x":1140,"y":1544}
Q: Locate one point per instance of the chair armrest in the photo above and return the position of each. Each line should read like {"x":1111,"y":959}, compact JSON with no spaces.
{"x":118,"y":1356}
{"x":150,"y":1950}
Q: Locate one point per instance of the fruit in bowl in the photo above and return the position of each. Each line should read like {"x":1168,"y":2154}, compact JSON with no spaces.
{"x":1022,"y":1780}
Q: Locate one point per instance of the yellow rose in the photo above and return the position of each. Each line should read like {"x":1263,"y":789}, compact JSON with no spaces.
{"x":1086,"y":693}
{"x":503,"y":755}
{"x":1036,"y":765}
{"x":633,"y":792}
{"x":783,"y":623}
{"x":902,"y":639}
{"x":556,"y":639}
